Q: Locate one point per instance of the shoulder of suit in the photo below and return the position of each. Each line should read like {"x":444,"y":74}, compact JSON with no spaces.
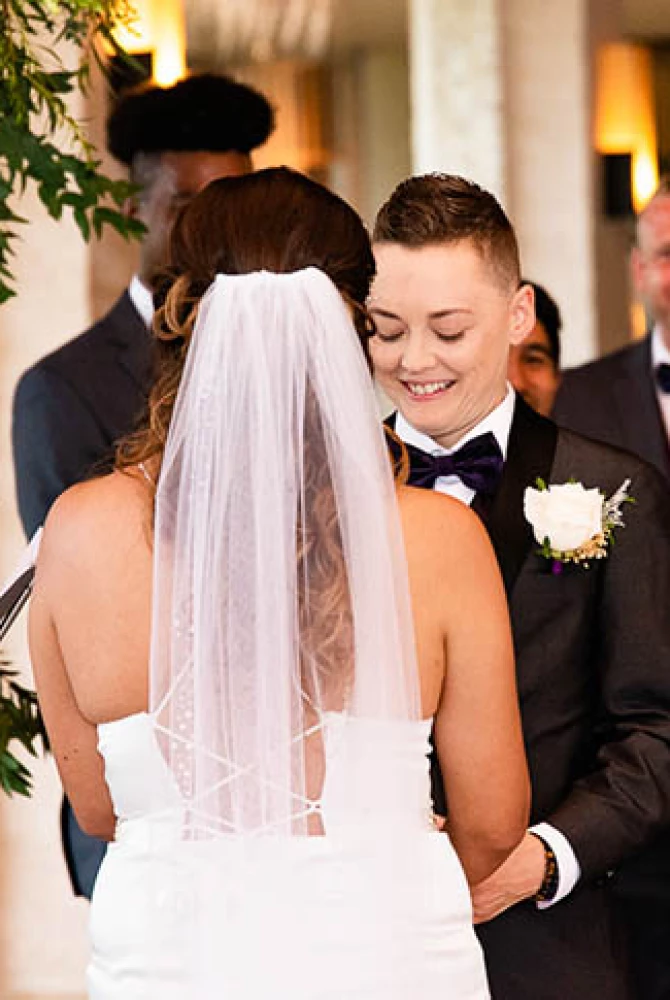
{"x":605,"y":367}
{"x":88,"y":347}
{"x":594,"y":462}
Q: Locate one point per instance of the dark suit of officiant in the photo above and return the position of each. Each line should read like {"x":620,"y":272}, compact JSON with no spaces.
{"x":69,"y":410}
{"x":614,"y":400}
{"x":593,"y":666}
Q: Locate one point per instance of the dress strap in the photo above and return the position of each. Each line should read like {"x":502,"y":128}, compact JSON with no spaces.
{"x":143,"y":469}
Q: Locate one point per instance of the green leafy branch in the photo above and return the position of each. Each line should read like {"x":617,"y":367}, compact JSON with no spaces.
{"x":20,"y":722}
{"x":40,"y":140}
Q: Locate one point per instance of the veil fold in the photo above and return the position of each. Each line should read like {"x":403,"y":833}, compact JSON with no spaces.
{"x":280,"y":582}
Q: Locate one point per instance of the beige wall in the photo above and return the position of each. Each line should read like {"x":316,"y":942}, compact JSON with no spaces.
{"x":42,"y":926}
{"x":371,"y":135}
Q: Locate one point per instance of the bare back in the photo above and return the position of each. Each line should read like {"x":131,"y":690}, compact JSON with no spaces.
{"x":90,"y":636}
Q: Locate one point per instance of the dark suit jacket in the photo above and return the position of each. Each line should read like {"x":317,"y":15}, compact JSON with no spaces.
{"x":593,"y":657}
{"x":614,"y":400}
{"x":69,"y":410}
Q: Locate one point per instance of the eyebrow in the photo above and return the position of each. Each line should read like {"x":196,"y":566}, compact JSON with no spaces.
{"x":439,"y":314}
{"x":535,"y":346}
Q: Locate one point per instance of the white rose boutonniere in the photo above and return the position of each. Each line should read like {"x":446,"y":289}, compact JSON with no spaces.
{"x":572,"y":523}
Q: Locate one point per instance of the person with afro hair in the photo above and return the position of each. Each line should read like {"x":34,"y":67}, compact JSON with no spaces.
{"x":73,"y":405}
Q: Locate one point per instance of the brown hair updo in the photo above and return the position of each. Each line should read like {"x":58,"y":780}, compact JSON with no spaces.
{"x":275,"y":220}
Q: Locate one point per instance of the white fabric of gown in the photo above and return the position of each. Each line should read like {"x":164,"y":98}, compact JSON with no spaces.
{"x":285,"y":918}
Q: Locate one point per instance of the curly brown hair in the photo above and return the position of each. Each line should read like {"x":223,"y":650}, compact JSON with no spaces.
{"x":280,"y":221}
{"x":275,"y":220}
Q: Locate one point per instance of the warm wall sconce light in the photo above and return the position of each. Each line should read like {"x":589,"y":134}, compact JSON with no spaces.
{"x":625,"y":122}
{"x":169,"y":42}
{"x":158,"y":29}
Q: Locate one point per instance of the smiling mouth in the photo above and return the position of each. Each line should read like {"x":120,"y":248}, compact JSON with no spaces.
{"x":427,"y":390}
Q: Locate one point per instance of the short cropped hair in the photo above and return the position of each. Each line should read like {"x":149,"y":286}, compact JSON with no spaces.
{"x":549,"y":315}
{"x":435,"y":209}
{"x":207,"y":112}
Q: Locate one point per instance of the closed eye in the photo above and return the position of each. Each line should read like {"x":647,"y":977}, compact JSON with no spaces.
{"x":389,"y":338}
{"x":449,"y":338}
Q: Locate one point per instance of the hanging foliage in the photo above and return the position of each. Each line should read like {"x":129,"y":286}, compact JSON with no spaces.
{"x":40,"y":140}
{"x":43,"y":143}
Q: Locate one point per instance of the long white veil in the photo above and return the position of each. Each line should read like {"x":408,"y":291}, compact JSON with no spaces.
{"x":280,"y":582}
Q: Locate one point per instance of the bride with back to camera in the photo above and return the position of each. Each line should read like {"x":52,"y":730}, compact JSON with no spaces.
{"x":243,"y":636}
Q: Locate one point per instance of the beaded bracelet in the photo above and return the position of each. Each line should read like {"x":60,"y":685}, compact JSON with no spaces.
{"x":549,"y":886}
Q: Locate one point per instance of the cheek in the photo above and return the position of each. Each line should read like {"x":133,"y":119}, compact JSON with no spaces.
{"x":385,"y":357}
{"x":543,"y":380}
{"x":658,"y":278}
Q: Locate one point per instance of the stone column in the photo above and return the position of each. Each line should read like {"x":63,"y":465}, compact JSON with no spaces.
{"x":43,"y":937}
{"x":549,"y":149}
{"x":456,"y":89}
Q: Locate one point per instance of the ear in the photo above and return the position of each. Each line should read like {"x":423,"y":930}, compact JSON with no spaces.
{"x":522,"y":314}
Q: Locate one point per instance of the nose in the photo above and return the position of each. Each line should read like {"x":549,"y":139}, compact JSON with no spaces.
{"x":417,"y":354}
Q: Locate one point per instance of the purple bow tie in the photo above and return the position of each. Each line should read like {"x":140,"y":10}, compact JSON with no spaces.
{"x":478,"y":464}
{"x":663,"y":377}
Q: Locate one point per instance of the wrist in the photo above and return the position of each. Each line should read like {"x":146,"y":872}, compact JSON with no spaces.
{"x":549,"y":884}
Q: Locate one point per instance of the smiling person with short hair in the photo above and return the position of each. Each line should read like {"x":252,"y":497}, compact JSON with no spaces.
{"x":591,"y":629}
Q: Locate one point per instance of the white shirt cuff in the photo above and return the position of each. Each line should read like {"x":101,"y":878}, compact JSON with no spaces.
{"x":568,"y":866}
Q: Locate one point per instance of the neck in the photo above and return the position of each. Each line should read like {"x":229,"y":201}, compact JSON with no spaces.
{"x":452,"y":436}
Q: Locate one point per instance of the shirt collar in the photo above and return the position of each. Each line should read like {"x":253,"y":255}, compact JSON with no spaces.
{"x":141,"y":298}
{"x":498,"y":422}
{"x":660,"y":353}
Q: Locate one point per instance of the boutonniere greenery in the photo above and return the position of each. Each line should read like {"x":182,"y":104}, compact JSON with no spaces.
{"x":573,"y":524}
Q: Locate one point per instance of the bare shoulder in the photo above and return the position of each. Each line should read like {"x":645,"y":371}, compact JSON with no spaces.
{"x":431,"y":519}
{"x":102,"y":516}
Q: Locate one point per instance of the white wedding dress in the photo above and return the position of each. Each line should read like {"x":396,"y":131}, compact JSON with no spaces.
{"x":280,"y":591}
{"x":376,"y":909}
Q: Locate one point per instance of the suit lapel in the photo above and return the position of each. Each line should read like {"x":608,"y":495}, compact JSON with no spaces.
{"x":637,"y":409}
{"x":133,"y":342}
{"x":530,"y":455}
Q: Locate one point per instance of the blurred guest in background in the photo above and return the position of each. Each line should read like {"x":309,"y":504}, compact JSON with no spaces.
{"x":534,"y":364}
{"x":624,"y":398}
{"x":74,"y":404}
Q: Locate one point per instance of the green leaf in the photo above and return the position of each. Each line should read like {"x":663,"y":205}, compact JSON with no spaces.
{"x":83,"y":224}
{"x":21,"y":723}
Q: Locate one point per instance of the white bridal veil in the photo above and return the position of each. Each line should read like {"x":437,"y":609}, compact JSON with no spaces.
{"x":280,"y":584}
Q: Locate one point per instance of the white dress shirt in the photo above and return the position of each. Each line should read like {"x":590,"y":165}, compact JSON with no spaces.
{"x":499,"y":423}
{"x":141,"y":298}
{"x":660,"y":355}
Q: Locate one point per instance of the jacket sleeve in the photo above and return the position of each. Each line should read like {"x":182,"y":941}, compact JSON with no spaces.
{"x":623,"y":803}
{"x":56,"y":440}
